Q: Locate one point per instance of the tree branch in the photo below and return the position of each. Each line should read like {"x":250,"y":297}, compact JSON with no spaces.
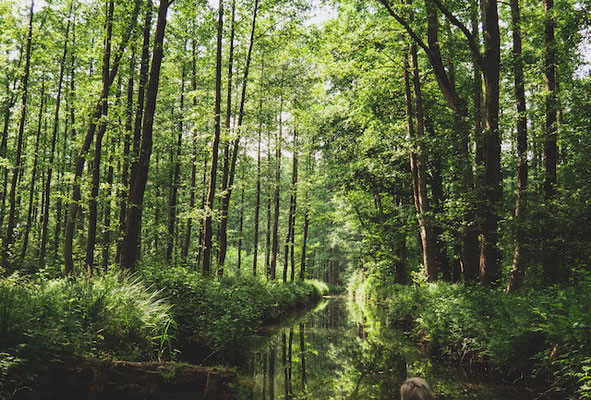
{"x":471,"y":41}
{"x":406,"y":26}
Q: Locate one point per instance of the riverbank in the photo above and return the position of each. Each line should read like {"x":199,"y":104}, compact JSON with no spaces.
{"x":154,"y":315}
{"x":539,"y":337}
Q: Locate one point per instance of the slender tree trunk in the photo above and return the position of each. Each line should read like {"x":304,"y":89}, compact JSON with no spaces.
{"x":427,"y":236}
{"x":438,"y":206}
{"x":102,"y":128}
{"x":9,"y":238}
{"x":268,"y":227}
{"x":28,"y":226}
{"x":107,"y":211}
{"x":45,"y":212}
{"x":202,"y":222}
{"x":137,"y":124}
{"x":240,"y":228}
{"x":75,"y":208}
{"x":306,"y":222}
{"x":222,"y":236}
{"x":257,"y":206}
{"x":275,"y":245}
{"x":550,"y":147}
{"x":289,"y":241}
{"x":129,"y":253}
{"x":187,"y":242}
{"x":172,"y":209}
{"x":468,"y":232}
{"x":11,"y":100}
{"x":122,"y":192}
{"x":517,"y":268}
{"x":208,"y":229}
{"x":232,"y":172}
{"x":550,"y":261}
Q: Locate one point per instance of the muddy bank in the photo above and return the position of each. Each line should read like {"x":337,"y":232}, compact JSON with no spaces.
{"x":120,"y":380}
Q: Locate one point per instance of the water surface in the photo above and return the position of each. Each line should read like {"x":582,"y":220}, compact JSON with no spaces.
{"x":338,"y":351}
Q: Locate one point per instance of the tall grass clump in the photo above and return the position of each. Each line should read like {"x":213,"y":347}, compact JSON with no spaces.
{"x":222,"y":313}
{"x":44,"y":320}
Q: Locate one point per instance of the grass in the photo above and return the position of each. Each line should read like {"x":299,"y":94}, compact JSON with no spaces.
{"x":544,"y":334}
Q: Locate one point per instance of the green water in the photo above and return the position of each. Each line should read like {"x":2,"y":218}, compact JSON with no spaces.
{"x":338,"y":351}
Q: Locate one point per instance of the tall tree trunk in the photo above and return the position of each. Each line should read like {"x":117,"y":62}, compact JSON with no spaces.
{"x":202,"y":222}
{"x":28,"y":226}
{"x":10,"y":102}
{"x":208,"y":229}
{"x":102,"y":128}
{"x":438,"y":207}
{"x":107,"y":212}
{"x":275,"y":245}
{"x":172,"y":208}
{"x":45,"y":212}
{"x":187,"y":242}
{"x":268,"y":227}
{"x":9,"y":238}
{"x":427,"y":236}
{"x":257,"y":206}
{"x":289,"y":241}
{"x":550,"y":148}
{"x":240,"y":228}
{"x":222,"y":236}
{"x":517,"y":268}
{"x":122,"y":192}
{"x":129,"y":253}
{"x":490,"y":271}
{"x":232,"y":172}
{"x":75,"y":208}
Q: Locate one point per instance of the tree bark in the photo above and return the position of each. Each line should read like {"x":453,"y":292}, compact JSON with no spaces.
{"x":102,"y":128}
{"x":207,"y":230}
{"x":45,"y":212}
{"x":222,"y":235}
{"x":289,"y":240}
{"x":28,"y":226}
{"x":9,"y":238}
{"x":423,"y":209}
{"x":517,"y":268}
{"x":129,"y":253}
{"x":137,"y":124}
{"x":75,"y":208}
{"x":123,"y":192}
{"x":275,"y":244}
{"x":257,"y":207}
{"x":232,"y":172}
{"x":172,"y":209}
{"x":490,"y":271}
{"x":187,"y":242}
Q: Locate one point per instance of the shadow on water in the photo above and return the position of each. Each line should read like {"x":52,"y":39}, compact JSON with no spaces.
{"x":338,"y":351}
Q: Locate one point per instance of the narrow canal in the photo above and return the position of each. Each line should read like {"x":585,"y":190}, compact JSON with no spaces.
{"x":337,"y":351}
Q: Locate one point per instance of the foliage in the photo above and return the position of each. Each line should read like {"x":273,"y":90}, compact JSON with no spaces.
{"x":540,"y":332}
{"x":223,"y":312}
{"x":108,"y":316}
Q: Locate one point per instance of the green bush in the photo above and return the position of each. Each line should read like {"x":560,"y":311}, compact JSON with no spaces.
{"x":43,"y":320}
{"x":538,"y":332}
{"x":224,"y":312}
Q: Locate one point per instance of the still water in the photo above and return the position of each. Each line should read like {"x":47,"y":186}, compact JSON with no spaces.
{"x":338,"y":351}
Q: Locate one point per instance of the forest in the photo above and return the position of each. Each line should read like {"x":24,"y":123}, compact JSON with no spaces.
{"x":179,"y":178}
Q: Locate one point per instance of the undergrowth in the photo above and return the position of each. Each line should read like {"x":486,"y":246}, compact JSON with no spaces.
{"x":222,"y":313}
{"x":107,"y":316}
{"x":542,"y":334}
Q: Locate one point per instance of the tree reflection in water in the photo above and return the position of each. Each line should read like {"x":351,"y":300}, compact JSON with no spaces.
{"x":344,"y":352}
